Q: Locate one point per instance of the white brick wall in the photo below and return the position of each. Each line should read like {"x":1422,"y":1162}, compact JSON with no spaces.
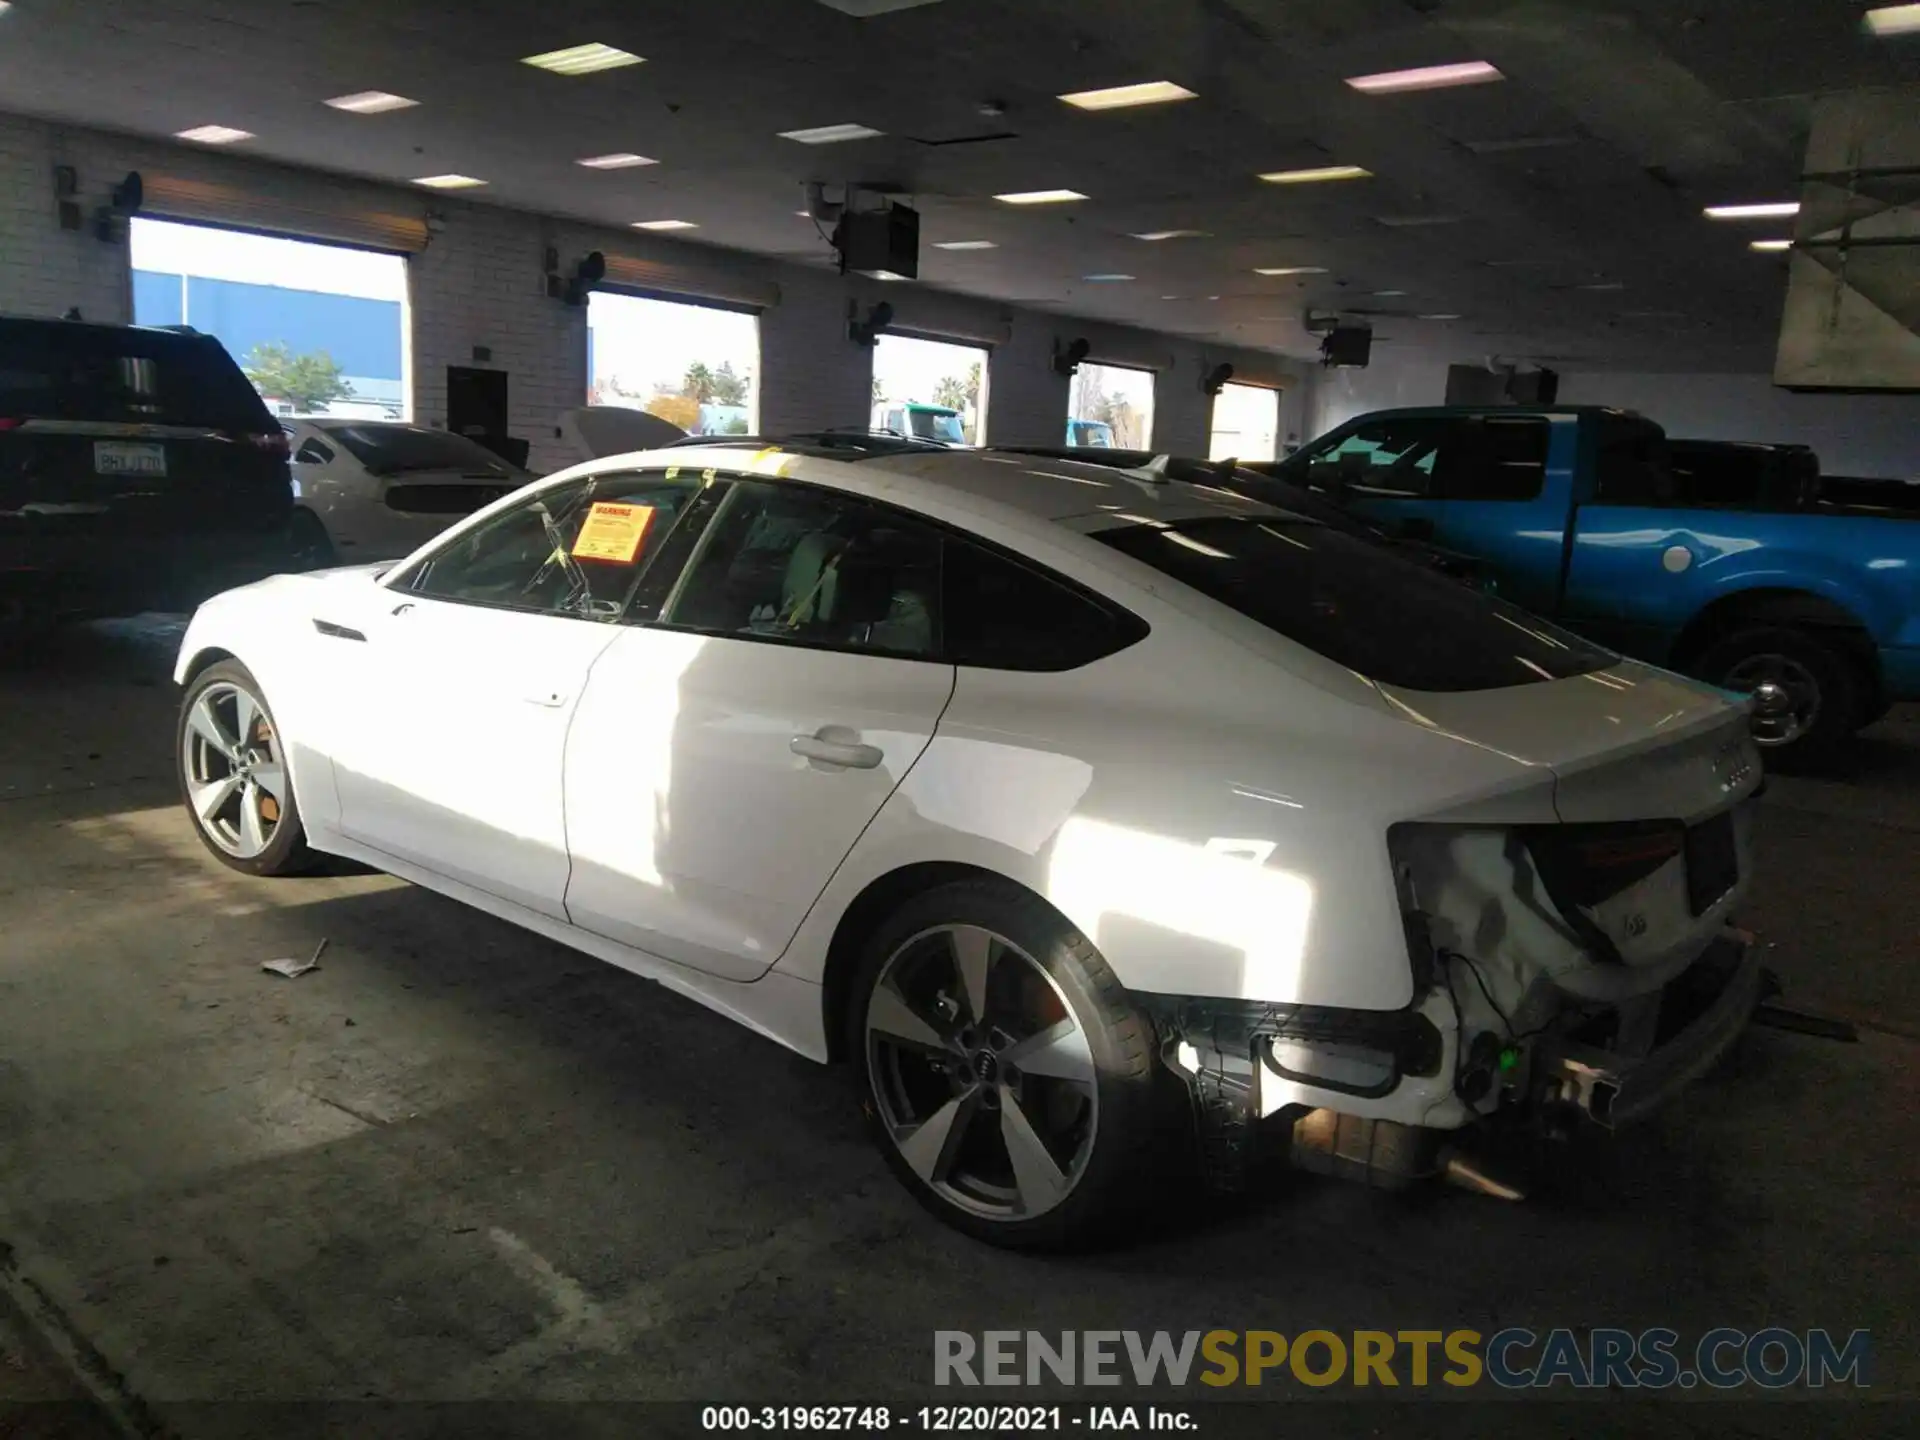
{"x":480,"y":283}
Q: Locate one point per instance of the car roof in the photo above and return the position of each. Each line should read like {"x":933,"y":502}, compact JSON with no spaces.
{"x":103,"y":329}
{"x":1012,"y":487}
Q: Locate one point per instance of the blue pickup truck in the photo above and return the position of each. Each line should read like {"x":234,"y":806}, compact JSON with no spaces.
{"x":1593,"y":517}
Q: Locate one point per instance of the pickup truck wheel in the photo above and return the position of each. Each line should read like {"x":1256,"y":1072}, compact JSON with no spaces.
{"x":1009,"y":1079}
{"x":1814,"y":696}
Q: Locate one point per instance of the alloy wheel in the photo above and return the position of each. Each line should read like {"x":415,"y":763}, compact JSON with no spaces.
{"x":984,"y":1079}
{"x":236,"y":775}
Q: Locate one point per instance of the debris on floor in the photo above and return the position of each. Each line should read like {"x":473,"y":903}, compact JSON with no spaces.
{"x":294,"y":969}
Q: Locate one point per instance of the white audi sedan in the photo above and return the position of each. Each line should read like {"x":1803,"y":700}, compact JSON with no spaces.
{"x":1042,"y":793}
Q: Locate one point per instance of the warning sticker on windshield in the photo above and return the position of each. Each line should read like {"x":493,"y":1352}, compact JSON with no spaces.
{"x":613,"y":532}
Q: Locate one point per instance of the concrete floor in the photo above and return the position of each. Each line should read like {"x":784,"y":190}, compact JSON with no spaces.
{"x":460,"y":1163}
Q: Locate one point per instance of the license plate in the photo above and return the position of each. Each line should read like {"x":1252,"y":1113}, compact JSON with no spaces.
{"x":126,"y":457}
{"x":1713,"y":862}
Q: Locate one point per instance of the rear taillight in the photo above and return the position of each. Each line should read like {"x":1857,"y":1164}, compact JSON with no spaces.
{"x":11,"y":422}
{"x":274,"y":442}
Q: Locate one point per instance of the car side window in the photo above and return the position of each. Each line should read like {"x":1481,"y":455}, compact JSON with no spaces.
{"x":1494,"y":458}
{"x":1000,"y":614}
{"x":579,"y":549}
{"x":787,"y":562}
{"x":313,"y":453}
{"x":1383,"y":457}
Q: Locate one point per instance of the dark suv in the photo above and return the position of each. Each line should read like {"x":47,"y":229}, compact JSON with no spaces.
{"x":138,"y":471}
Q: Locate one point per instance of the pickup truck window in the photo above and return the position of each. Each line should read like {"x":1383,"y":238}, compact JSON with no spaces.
{"x":1631,"y":465}
{"x":1359,"y":605}
{"x":1432,"y":458}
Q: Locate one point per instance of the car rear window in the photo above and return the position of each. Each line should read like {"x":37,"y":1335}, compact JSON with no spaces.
{"x":393,"y":449}
{"x":1359,"y":605}
{"x":52,"y":371}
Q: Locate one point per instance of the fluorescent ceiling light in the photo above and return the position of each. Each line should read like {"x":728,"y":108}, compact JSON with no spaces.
{"x":1771,"y":245}
{"x":1119,"y":97}
{"x":620,"y":160}
{"x":1427,"y":77}
{"x":213,"y":134}
{"x":830,"y":134}
{"x":1405,"y":222}
{"x":965,"y":245}
{"x":1038,"y":197}
{"x":1387,"y":294}
{"x":1172,"y":234}
{"x":371,"y":102}
{"x":1438,"y":317}
{"x":448,"y":182}
{"x":1773,"y":210}
{"x":582,"y":59}
{"x":665,"y":225}
{"x":1322,"y":172}
{"x":1289,"y":269}
{"x":1892,"y":20}
{"x":1107,"y":277}
{"x":882,"y":275}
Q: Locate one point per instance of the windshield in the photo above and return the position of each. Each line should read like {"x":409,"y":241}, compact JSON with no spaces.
{"x":1359,"y":605}
{"x":942,"y":425}
{"x":63,"y":371}
{"x":392,"y":449}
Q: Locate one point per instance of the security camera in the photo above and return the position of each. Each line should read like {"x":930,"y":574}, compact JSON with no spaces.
{"x":867,"y":332}
{"x":589,"y":272}
{"x":1216,"y":379}
{"x":1067,"y":358}
{"x":127,"y":197}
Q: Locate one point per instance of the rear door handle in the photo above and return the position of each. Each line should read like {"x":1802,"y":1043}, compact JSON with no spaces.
{"x":848,"y":754}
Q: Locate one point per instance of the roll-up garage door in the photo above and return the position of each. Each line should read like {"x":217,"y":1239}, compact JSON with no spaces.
{"x":679,"y":279}
{"x":373,"y":220}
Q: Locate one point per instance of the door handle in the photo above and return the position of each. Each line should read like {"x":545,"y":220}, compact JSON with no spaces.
{"x":547,"y":699}
{"x":337,"y":632}
{"x":848,"y":754}
{"x":403,"y":607}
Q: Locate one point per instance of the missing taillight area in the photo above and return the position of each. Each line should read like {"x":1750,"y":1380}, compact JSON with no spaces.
{"x":1586,"y":865}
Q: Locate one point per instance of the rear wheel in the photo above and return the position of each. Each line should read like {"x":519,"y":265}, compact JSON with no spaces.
{"x":1009,"y":1079}
{"x":234,"y":777}
{"x":1809,"y":693}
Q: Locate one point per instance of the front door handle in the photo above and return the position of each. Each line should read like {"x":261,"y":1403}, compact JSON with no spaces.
{"x":848,"y":754}
{"x":548,"y":699}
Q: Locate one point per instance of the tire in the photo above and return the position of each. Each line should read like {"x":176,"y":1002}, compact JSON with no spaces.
{"x":1829,"y":687}
{"x":1089,"y":1098}
{"x":250,"y":747}
{"x":309,"y":547}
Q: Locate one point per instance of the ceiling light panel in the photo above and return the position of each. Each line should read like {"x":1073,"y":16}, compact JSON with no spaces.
{"x":1039,"y":197}
{"x":1771,"y":210}
{"x":1771,"y":245}
{"x":448,"y":182}
{"x":371,"y":102}
{"x":1426,"y":77}
{"x":582,"y":59}
{"x":830,"y":134}
{"x":965,"y":245}
{"x":1316,"y":174}
{"x":619,"y":160}
{"x":1107,"y":277}
{"x":213,"y":135}
{"x":1290,"y":270}
{"x":665,"y":225}
{"x":1892,"y":20}
{"x":1121,"y":97}
{"x":1172,"y":234}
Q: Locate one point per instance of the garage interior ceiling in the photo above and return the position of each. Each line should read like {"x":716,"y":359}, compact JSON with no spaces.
{"x":1567,"y":197}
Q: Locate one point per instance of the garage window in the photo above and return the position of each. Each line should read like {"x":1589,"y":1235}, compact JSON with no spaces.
{"x":694,"y":365}
{"x":319,"y":329}
{"x":930,"y":389}
{"x":1110,"y":406}
{"x":1246,"y":423}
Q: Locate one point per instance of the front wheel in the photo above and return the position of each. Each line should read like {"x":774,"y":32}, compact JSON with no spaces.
{"x":234,"y":778}
{"x":1809,"y":693}
{"x":1009,"y":1079}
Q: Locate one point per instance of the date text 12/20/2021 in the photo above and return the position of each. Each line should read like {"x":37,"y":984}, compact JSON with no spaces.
{"x":945,"y":1419}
